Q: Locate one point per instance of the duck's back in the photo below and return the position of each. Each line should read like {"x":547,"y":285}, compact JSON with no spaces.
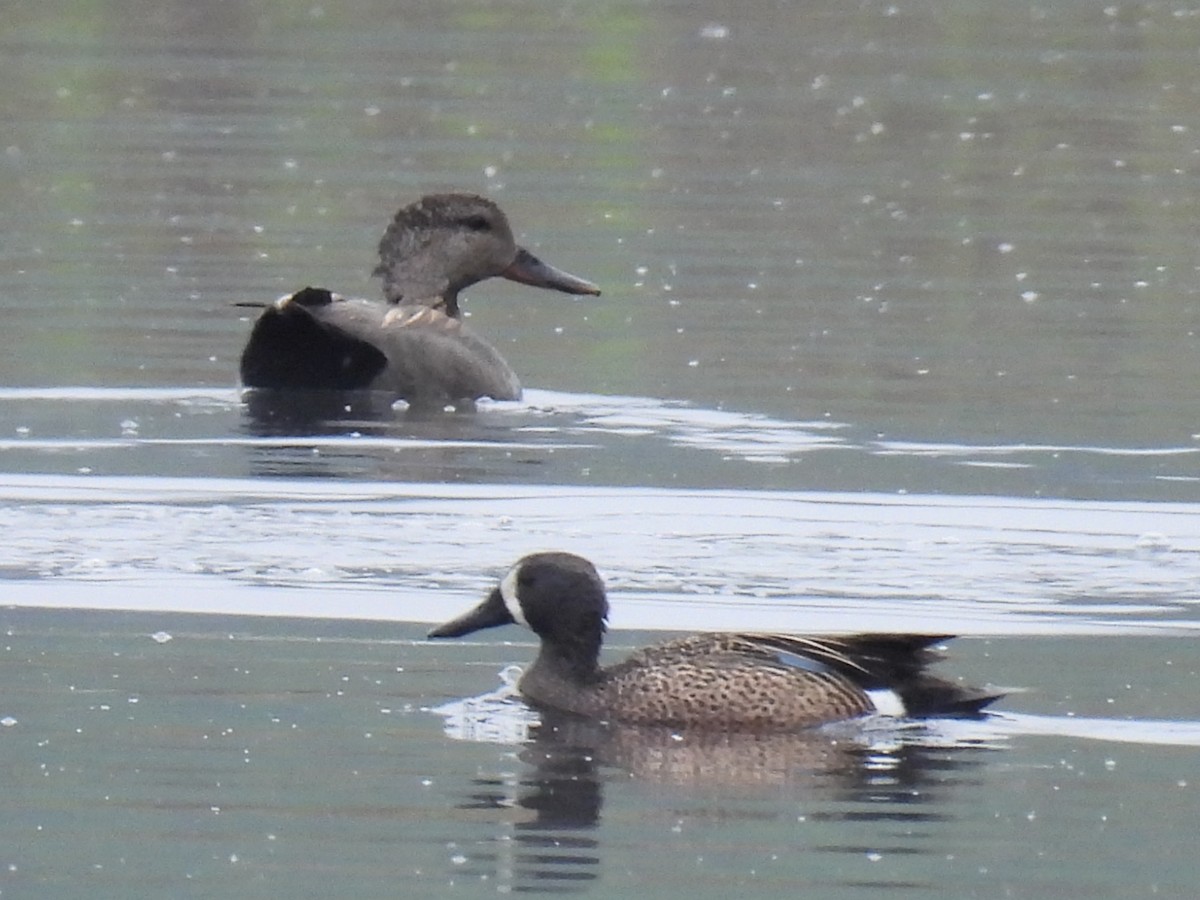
{"x":317,"y":339}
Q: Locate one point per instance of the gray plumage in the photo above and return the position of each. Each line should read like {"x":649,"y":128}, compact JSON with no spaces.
{"x":413,"y":344}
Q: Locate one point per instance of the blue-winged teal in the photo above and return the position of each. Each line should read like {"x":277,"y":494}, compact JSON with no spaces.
{"x":413,"y":344}
{"x":723,"y":680}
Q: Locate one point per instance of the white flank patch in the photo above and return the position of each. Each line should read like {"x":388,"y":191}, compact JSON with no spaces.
{"x":887,"y":703}
{"x":508,"y":592}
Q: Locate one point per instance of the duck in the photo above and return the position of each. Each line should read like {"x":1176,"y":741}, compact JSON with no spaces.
{"x":412,"y":344}
{"x":720,"y":680}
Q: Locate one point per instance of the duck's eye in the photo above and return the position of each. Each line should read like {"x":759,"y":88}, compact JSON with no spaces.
{"x":477,"y":223}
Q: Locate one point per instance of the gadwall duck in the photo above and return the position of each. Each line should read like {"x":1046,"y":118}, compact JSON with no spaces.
{"x":412,"y":344}
{"x":720,"y":680}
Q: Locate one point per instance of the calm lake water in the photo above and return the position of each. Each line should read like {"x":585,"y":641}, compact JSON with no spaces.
{"x":899,"y":331}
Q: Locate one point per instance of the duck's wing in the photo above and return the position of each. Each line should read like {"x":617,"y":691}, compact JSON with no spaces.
{"x":873,"y":660}
{"x":315,"y":339}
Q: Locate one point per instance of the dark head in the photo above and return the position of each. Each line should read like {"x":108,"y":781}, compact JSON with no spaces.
{"x":445,"y":243}
{"x":558,"y":596}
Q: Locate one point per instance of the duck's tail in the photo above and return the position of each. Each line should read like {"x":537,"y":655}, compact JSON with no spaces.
{"x":928,"y":696}
{"x":896,"y":664}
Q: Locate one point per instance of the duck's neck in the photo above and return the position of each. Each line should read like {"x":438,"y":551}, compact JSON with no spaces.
{"x":570,"y":664}
{"x":446,"y":301}
{"x":419,"y":284}
{"x":564,"y":681}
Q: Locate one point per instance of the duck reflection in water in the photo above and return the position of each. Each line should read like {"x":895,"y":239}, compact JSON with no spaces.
{"x":903,"y":753}
{"x":316,"y":355}
{"x":546,"y":806}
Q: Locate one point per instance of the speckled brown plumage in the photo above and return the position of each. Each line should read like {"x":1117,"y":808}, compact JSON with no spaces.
{"x":724,"y":680}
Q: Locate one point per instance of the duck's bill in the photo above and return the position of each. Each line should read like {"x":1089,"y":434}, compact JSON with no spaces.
{"x":528,"y":269}
{"x":488,"y":614}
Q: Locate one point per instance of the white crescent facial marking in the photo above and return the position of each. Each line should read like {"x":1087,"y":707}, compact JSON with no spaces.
{"x":508,"y":593}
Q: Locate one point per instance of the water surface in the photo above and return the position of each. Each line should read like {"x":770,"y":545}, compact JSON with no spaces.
{"x":899,"y":330}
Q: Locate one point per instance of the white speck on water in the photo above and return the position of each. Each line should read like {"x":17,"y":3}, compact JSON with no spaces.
{"x":161,"y":637}
{"x":1030,"y":296}
{"x":8,"y":721}
{"x":714,"y":31}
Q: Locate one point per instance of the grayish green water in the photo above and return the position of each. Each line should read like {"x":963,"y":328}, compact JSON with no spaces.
{"x":899,"y":330}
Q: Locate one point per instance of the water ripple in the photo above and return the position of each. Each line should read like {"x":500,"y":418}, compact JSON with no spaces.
{"x":732,"y":559}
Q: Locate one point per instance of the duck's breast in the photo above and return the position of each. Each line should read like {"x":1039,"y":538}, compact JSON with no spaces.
{"x":433,"y":358}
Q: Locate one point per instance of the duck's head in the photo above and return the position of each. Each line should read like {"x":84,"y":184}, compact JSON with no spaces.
{"x":558,"y":596}
{"x":444,"y":243}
